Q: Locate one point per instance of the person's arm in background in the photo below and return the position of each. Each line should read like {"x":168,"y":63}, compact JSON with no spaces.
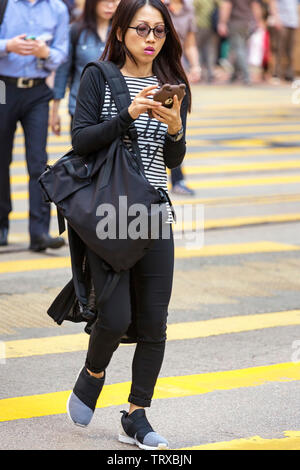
{"x":224,"y":15}
{"x":190,"y":50}
{"x":57,"y":52}
{"x":62,"y":77}
{"x":274,"y":18}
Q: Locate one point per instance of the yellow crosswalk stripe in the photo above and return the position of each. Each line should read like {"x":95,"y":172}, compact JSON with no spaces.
{"x":215,"y":183}
{"x":19,"y":195}
{"x":242,"y":167}
{"x":47,"y":404}
{"x":245,"y":111}
{"x":60,"y":262}
{"x":239,"y":222}
{"x":225,"y":200}
{"x":235,"y":182}
{"x":59,"y":150}
{"x":236,"y":121}
{"x":291,"y":441}
{"x":208,"y":224}
{"x":194,"y":121}
{"x":175,"y":331}
{"x":268,"y":140}
{"x":239,"y":200}
{"x":200,"y":130}
{"x":216,"y":169}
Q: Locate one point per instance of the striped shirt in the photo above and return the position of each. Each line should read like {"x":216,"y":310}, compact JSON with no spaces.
{"x":151,"y":134}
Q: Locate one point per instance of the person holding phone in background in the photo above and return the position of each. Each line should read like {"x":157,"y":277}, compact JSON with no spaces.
{"x":88,"y":36}
{"x":144,"y":45}
{"x":33,"y":43}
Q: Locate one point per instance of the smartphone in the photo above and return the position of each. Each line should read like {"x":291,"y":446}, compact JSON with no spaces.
{"x":30,"y":38}
{"x":45,"y":37}
{"x":166,"y":94}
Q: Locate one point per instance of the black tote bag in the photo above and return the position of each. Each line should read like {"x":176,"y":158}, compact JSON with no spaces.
{"x":113,"y":178}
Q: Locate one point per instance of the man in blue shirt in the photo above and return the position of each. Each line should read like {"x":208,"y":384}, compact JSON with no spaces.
{"x":33,"y":43}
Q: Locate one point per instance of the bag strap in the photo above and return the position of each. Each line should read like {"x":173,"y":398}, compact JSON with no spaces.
{"x":121,"y":96}
{"x":3,"y":5}
{"x":116,"y":83}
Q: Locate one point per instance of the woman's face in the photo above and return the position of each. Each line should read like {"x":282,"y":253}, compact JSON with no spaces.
{"x":105,"y":9}
{"x":145,"y":49}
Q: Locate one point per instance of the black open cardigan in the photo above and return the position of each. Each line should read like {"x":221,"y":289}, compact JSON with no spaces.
{"x":76,"y":302}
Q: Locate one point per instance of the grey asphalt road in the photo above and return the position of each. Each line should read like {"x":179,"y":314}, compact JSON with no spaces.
{"x":241,"y":380}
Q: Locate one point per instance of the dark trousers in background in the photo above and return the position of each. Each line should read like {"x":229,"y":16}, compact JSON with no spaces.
{"x":30,"y":107}
{"x":146,"y":290}
{"x":176,"y":175}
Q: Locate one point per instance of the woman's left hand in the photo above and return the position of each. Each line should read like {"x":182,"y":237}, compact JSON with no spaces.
{"x":171,"y":116}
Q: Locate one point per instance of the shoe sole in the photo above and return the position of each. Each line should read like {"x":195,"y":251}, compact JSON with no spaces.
{"x":131,"y":440}
{"x":55,"y":246}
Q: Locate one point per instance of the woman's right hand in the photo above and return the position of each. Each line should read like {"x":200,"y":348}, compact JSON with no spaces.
{"x":141,"y":103}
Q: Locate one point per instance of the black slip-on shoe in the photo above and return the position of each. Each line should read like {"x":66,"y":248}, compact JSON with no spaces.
{"x":136,"y":429}
{"x":45,"y":241}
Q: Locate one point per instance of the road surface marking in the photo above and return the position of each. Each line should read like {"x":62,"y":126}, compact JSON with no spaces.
{"x":60,"y":262}
{"x":176,"y":331}
{"x":291,"y":441}
{"x":47,"y":404}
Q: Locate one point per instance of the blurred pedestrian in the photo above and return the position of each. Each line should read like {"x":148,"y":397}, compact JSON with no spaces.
{"x":238,"y":19}
{"x":283,"y":23}
{"x":206,"y":13}
{"x":33,"y":43}
{"x":183,"y":17}
{"x":88,"y":36}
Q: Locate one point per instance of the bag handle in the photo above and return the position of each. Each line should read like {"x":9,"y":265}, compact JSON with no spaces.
{"x":72,"y":172}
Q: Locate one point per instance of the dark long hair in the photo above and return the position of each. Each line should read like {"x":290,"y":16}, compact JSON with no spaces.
{"x":167,"y":65}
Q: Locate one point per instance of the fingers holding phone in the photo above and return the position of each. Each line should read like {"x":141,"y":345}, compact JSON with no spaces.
{"x":25,"y":44}
{"x":142,"y":102}
{"x":170,"y":116}
{"x":20,"y":45}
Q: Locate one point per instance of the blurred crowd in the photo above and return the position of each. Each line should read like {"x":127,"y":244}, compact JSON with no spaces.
{"x":248,"y":41}
{"x":223,"y":41}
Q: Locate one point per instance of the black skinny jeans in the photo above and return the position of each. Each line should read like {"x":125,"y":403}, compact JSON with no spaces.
{"x":151,"y":285}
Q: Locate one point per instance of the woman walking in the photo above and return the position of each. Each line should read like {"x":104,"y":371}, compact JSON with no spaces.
{"x":145,"y":47}
{"x":88,"y":36}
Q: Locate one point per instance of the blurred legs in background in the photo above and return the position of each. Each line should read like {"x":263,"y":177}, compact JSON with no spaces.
{"x":282,"y":47}
{"x":178,"y":184}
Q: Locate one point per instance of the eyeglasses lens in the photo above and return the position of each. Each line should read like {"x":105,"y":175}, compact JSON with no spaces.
{"x":143,"y":30}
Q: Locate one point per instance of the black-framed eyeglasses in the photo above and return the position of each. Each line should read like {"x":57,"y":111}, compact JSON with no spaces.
{"x":143,"y":30}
